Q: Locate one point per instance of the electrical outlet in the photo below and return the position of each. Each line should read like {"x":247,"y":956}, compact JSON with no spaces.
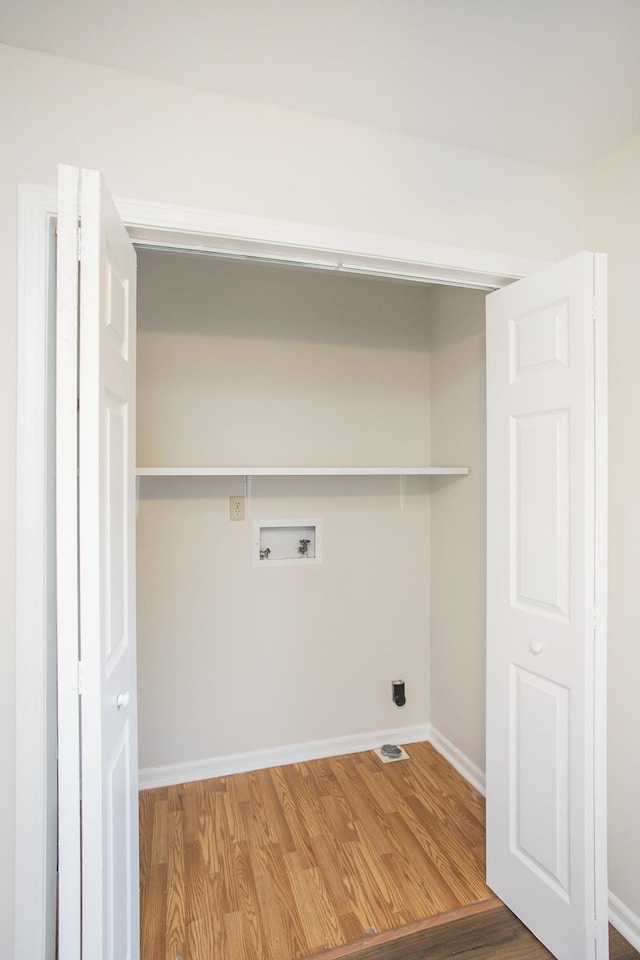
{"x":236,"y":508}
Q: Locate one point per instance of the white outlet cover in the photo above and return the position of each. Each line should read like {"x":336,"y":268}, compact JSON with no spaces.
{"x":403,"y":755}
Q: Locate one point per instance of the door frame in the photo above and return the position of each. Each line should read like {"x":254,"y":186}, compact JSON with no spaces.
{"x":169,"y":227}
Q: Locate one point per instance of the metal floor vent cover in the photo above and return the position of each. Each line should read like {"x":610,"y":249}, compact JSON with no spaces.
{"x":403,"y":755}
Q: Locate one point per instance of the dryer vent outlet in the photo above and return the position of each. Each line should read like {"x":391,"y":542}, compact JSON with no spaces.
{"x":398,"y":694}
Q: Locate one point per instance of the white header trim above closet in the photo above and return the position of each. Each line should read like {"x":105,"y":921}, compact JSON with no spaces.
{"x":237,"y":235}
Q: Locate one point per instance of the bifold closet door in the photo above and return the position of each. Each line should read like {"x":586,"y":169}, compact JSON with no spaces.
{"x":96,"y":533}
{"x":546,"y":604}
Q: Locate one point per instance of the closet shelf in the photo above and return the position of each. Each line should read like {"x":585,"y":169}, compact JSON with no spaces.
{"x":299,"y":471}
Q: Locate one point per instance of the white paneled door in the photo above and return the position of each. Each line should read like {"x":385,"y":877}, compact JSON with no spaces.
{"x":546,"y":596}
{"x":105,"y":584}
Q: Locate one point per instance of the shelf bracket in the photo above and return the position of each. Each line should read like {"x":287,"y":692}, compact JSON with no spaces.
{"x":247,"y":494}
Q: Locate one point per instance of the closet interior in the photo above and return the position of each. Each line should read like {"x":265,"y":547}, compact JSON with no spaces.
{"x":321,"y":400}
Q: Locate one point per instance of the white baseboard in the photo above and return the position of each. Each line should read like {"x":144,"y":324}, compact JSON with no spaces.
{"x":625,"y":922}
{"x":150,"y":777}
{"x":457,"y":759}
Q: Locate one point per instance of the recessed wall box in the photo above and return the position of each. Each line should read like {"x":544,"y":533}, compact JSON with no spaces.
{"x":286,"y":543}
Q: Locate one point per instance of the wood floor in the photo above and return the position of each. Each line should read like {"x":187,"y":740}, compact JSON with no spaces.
{"x":284,"y":863}
{"x":487,"y":935}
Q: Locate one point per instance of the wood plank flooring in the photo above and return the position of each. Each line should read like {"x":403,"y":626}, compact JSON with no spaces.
{"x":492,"y":935}
{"x":283,"y":863}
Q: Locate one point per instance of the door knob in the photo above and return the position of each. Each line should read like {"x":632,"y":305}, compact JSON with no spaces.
{"x":122,"y":700}
{"x":534,"y":645}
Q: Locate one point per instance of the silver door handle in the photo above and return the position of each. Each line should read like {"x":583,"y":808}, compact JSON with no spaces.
{"x":122,"y":700}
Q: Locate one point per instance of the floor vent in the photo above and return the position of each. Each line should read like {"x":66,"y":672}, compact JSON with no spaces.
{"x":379,"y":751}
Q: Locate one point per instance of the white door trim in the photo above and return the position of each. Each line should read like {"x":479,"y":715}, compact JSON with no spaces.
{"x":35,"y":825}
{"x":176,"y":227}
{"x":600,"y":531}
{"x":207,"y":230}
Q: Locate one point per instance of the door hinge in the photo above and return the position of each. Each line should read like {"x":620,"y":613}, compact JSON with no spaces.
{"x":80,"y":677}
{"x":79,"y":243}
{"x":595,"y":309}
{"x":595,"y":620}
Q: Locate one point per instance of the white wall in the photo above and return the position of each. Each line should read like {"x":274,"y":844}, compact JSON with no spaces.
{"x":458,"y":520}
{"x":612,"y":193}
{"x":155,"y":141}
{"x":161,"y":142}
{"x":255,"y":364}
{"x":250,"y":364}
{"x":235,"y":658}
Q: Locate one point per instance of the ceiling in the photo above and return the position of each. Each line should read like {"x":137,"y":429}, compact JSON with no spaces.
{"x":555,"y":82}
